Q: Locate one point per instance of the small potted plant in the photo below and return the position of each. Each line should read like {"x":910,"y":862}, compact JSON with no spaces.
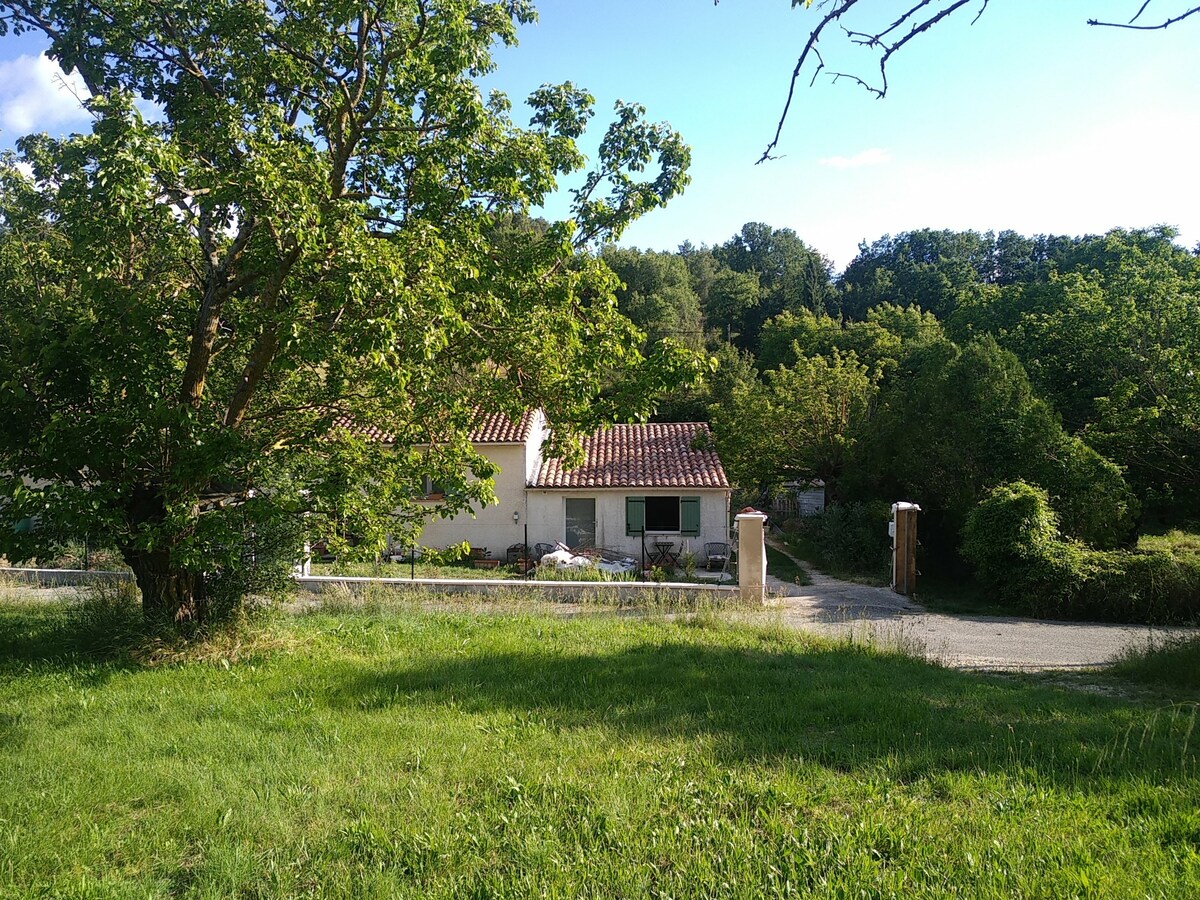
{"x":481,"y":558}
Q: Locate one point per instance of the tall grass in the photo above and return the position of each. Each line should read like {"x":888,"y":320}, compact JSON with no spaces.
{"x":103,"y":622}
{"x":1180,"y":543}
{"x":409,"y":750}
{"x":1172,"y":662}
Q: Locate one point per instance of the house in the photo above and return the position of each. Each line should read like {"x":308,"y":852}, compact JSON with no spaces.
{"x":639,"y":486}
{"x":516,"y":449}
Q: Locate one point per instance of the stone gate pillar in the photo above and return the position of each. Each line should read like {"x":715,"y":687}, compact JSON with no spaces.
{"x":751,"y":527}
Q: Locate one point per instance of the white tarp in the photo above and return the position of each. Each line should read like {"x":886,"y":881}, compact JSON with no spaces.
{"x":564,"y":558}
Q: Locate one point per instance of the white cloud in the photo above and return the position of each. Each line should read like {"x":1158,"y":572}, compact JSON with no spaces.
{"x":876,"y":156}
{"x":35,"y":95}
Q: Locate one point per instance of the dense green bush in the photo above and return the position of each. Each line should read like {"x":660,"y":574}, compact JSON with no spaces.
{"x":1089,"y":492}
{"x":1135,"y":586}
{"x":1012,"y":540}
{"x":955,"y":421}
{"x":849,"y":537}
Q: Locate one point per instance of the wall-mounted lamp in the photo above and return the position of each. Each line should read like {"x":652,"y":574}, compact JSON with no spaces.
{"x":516,"y":517}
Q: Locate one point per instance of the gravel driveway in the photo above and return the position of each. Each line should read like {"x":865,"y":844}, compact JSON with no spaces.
{"x":839,"y":608}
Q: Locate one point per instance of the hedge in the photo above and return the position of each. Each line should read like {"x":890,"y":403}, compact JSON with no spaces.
{"x":1012,"y":539}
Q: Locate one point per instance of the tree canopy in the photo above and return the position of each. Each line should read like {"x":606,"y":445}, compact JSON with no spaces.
{"x":941,"y":364}
{"x":283,"y":239}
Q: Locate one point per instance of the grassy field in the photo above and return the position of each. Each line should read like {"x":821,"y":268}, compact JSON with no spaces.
{"x":389,"y":750}
{"x":404,"y":570}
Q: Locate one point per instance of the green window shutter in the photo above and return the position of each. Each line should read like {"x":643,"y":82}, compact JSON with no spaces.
{"x":635,"y":515}
{"x":689,"y":516}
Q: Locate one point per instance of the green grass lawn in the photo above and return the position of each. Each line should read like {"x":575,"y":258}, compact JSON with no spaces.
{"x":394,"y":751}
{"x":404,"y":570}
{"x":803,"y":548}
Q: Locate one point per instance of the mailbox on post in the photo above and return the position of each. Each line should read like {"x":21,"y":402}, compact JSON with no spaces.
{"x":903,"y":529}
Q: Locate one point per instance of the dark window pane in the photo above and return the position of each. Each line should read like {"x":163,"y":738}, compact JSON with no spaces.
{"x":662,"y":513}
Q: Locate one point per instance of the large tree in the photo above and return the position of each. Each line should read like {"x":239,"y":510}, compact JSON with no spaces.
{"x":926,"y":268}
{"x":287,"y":235}
{"x":803,"y":423}
{"x":788,"y":274}
{"x":656,"y":294}
{"x":953,"y":422}
{"x":1112,"y":341}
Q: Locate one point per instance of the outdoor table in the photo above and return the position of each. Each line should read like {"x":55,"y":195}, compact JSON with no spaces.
{"x":662,"y":555}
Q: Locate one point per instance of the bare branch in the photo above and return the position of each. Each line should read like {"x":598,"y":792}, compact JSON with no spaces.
{"x":1138,"y":14}
{"x":1132,"y":27}
{"x":809,"y":47}
{"x":920,"y":18}
{"x":882,"y":40}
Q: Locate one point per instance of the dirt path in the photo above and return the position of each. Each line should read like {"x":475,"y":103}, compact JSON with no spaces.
{"x":834,"y":607}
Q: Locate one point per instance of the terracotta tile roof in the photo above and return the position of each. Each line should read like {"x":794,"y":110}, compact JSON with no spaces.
{"x":659,"y":455}
{"x":492,"y":428}
{"x":368,"y":431}
{"x":497,"y":428}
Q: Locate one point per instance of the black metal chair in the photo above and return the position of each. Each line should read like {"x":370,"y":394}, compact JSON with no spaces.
{"x":716,"y":556}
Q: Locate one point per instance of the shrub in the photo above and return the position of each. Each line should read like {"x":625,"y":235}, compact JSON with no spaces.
{"x":1137,"y":586}
{"x":453,"y":555}
{"x":1013,"y":541}
{"x":849,"y":537}
{"x":1011,"y":538}
{"x":1094,"y":502}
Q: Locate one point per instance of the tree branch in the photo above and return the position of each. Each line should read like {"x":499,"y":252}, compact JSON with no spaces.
{"x":265,"y":347}
{"x":921,"y":16}
{"x":813,"y":38}
{"x":208,"y":318}
{"x":1133,"y":27}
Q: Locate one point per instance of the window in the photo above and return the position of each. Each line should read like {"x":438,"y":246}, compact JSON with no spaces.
{"x":662,"y":513}
{"x":673,"y":515}
{"x":433,"y":490}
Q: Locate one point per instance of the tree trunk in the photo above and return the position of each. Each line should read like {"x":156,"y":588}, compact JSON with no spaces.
{"x":168,"y":591}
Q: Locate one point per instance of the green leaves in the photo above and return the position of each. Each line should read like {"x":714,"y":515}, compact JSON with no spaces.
{"x":802,"y":424}
{"x":306,"y":230}
{"x":629,"y":146}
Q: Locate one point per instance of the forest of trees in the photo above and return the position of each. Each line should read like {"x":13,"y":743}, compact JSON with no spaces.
{"x":941,"y":365}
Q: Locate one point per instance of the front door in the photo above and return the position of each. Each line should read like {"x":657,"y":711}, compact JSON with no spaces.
{"x":581,"y":522}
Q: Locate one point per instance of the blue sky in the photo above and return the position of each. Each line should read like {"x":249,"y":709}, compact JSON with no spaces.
{"x":1027,"y":120}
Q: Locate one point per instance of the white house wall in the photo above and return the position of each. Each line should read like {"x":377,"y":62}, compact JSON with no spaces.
{"x":538,"y":432}
{"x":548,"y":517}
{"x":492,"y":526}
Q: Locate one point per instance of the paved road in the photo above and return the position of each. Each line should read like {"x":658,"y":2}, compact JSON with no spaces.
{"x":839,"y":608}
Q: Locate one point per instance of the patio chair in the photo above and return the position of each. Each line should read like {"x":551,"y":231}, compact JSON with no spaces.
{"x":540,"y":550}
{"x":716,"y":556}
